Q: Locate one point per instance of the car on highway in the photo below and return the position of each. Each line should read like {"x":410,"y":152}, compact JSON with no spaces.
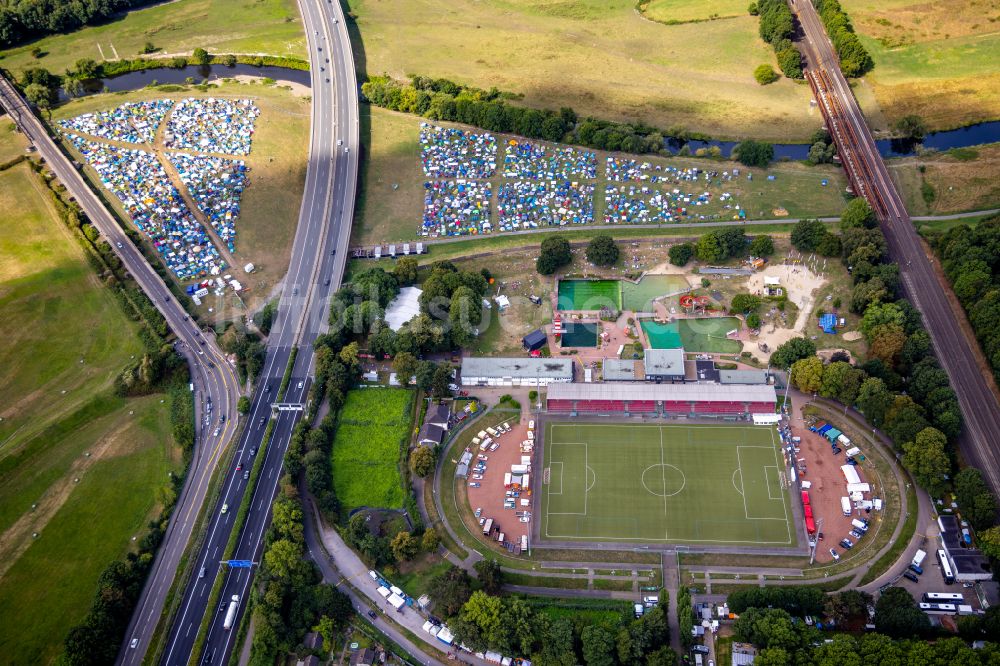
{"x":119,"y":245}
{"x":834,"y":555}
{"x":239,"y":467}
{"x":134,"y":644}
{"x":253,"y":452}
{"x":261,"y":422}
{"x":225,"y":508}
{"x":246,"y":475}
{"x":216,"y":433}
{"x":372,"y":614}
{"x":300,"y":385}
{"x":340,"y":142}
{"x":201,"y":572}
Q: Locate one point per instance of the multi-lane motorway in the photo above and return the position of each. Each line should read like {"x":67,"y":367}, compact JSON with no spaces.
{"x":214,"y":380}
{"x":317,"y":264}
{"x":980,"y":411}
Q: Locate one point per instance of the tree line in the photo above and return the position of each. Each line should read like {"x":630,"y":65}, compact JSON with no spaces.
{"x":514,"y":625}
{"x":854,"y":57}
{"x":777,"y":27}
{"x":440,"y":99}
{"x":29,"y":19}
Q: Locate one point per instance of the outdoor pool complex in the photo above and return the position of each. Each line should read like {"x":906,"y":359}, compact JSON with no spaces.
{"x":685,"y":484}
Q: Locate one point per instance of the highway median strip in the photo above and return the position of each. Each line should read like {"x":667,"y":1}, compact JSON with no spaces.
{"x":234,"y":536}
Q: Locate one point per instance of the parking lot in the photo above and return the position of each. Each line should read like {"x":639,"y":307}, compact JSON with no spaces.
{"x":490,"y":495}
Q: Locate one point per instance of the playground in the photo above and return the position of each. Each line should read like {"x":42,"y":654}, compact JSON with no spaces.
{"x":660,"y":484}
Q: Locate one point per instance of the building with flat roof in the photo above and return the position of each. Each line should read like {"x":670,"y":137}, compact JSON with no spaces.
{"x":742,"y":376}
{"x":664,"y":365}
{"x":622,"y":369}
{"x":967,"y":563}
{"x":516,"y":371}
{"x":667,"y":400}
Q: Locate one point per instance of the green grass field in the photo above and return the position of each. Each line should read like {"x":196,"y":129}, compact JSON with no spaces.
{"x":365,"y":455}
{"x":589,"y":294}
{"x":51,"y":583}
{"x":601,"y":57}
{"x":709,"y":335}
{"x":271,"y":27}
{"x":937,"y":60}
{"x":64,"y":339}
{"x":682,"y":11}
{"x":683,"y":484}
{"x":270,"y":205}
{"x":392,"y":183}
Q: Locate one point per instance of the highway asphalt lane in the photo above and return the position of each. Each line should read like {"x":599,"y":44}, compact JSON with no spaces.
{"x":315,"y":271}
{"x":980,"y":411}
{"x":213,"y":378}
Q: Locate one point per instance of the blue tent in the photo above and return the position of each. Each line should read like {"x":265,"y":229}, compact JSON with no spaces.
{"x":828,"y":323}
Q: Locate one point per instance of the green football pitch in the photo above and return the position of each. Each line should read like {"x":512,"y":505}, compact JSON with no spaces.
{"x":678,"y":484}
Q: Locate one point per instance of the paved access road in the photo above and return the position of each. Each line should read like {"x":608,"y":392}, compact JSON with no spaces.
{"x":214,"y":380}
{"x":317,"y":264}
{"x":980,"y":411}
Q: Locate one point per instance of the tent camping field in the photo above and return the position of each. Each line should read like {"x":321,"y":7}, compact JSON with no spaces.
{"x":712,"y":485}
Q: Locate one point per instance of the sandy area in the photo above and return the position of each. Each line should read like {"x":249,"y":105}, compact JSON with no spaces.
{"x":800,"y":285}
{"x":296,"y":89}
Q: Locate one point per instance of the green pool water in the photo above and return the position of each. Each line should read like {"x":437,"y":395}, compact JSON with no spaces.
{"x":589,"y":294}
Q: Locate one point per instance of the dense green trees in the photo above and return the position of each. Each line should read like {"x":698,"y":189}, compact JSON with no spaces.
{"x":681,"y":253}
{"x":27,"y":19}
{"x":975,"y":500}
{"x":777,"y":27}
{"x":971,"y":261}
{"x":897,"y":614}
{"x":762,"y":246}
{"x":554,"y":254}
{"x":854,"y":58}
{"x":789,"y":352}
{"x":798,"y":601}
{"x":754,"y":153}
{"x":602,"y":251}
{"x":813,"y":236}
{"x":511,"y":625}
{"x":857,"y":213}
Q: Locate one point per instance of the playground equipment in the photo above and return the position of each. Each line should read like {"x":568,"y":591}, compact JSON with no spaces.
{"x":694,"y":303}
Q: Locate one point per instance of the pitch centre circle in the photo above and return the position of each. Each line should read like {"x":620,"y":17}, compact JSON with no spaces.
{"x":663,"y":480}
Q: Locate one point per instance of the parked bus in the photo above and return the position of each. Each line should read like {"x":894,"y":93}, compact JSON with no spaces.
{"x":946,"y":572}
{"x":945,"y":597}
{"x":939,"y":609}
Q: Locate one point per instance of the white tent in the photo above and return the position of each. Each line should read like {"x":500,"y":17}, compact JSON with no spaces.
{"x":766,"y":419}
{"x":397,"y":601}
{"x":403,"y":308}
{"x":858,"y":488}
{"x":384,"y":591}
{"x":850,"y":474}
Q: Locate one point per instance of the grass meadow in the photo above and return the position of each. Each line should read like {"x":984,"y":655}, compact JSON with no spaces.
{"x":601,"y":57}
{"x":684,"y":11}
{"x":392,"y":186}
{"x":937,"y":60}
{"x":270,"y":205}
{"x":953,"y":181}
{"x":270,"y":27}
{"x":64,"y":340}
{"x":366,"y":447}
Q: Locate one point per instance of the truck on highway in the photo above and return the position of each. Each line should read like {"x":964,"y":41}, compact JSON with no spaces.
{"x":231,"y":613}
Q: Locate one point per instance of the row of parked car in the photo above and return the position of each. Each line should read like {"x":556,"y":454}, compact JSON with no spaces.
{"x":859,"y":529}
